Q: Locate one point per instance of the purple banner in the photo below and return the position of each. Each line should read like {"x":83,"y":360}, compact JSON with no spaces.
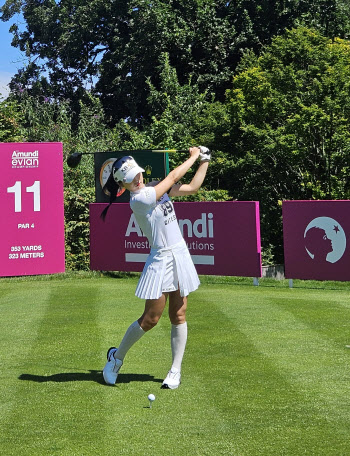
{"x":31,"y":206}
{"x":223,"y":238}
{"x":315,"y":239}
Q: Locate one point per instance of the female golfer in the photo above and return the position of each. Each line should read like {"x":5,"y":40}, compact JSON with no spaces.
{"x":169,"y":270}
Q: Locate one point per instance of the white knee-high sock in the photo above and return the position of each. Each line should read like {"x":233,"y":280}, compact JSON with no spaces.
{"x":132,"y":335}
{"x":178,"y":344}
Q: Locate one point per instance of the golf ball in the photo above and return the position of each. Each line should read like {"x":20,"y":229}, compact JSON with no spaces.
{"x":151,"y":397}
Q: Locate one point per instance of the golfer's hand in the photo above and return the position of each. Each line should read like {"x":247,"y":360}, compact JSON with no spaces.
{"x":204,"y":154}
{"x":194,"y":152}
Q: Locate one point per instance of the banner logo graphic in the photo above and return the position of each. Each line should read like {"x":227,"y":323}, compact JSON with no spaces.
{"x":325,"y":240}
{"x":25,"y":159}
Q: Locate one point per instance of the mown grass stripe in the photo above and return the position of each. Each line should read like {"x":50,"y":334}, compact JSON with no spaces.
{"x":22,"y":308}
{"x":314,"y":368}
{"x":57,"y":380}
{"x":252,"y":398}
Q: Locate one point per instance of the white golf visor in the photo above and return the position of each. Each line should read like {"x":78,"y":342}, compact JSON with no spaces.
{"x":126,"y":169}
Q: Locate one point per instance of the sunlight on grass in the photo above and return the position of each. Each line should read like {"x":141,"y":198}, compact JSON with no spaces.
{"x":265,"y":370}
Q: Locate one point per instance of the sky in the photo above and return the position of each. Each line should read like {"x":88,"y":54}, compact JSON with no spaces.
{"x":11,"y":59}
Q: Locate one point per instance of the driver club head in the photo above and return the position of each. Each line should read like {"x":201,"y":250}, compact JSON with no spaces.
{"x":74,"y":159}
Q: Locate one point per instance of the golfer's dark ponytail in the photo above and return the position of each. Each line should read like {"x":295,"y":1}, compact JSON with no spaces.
{"x":113,"y":188}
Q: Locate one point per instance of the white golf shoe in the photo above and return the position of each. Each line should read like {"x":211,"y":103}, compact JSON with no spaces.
{"x":112,"y":367}
{"x":172,"y":380}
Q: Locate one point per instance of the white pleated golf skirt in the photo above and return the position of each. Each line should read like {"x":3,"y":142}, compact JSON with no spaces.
{"x":167,"y":270}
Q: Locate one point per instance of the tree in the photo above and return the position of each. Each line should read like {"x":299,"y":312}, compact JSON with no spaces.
{"x":174,"y":108}
{"x":114,"y":45}
{"x":290,"y":123}
{"x":10,"y":120}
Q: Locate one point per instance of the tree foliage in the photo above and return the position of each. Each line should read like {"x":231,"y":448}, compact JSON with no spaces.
{"x":10,"y":121}
{"x":290,"y":123}
{"x":115,"y":44}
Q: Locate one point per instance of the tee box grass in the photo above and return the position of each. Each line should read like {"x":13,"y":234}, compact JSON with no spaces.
{"x":265,"y":370}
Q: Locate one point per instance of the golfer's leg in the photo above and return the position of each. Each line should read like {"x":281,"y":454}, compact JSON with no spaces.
{"x":132,"y":335}
{"x":152,"y":313}
{"x":177,"y":315}
{"x":150,"y":317}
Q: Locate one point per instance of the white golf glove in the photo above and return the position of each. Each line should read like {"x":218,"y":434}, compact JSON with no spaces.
{"x":204,"y":154}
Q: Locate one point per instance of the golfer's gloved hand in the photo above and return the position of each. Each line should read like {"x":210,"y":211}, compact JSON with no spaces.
{"x":204,"y":154}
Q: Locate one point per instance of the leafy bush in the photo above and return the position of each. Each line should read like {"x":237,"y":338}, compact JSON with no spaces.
{"x":206,"y":195}
{"x":10,"y":118}
{"x":77,"y":227}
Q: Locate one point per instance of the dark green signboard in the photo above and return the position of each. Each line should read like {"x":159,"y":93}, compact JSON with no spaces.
{"x":155,"y":164}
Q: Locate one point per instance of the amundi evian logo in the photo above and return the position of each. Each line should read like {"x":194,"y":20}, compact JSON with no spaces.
{"x":25,"y":159}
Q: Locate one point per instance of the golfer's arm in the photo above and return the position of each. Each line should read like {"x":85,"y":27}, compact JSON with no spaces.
{"x":194,"y":185}
{"x":175,"y":175}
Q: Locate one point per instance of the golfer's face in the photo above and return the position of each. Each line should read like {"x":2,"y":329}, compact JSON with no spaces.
{"x":136,"y":184}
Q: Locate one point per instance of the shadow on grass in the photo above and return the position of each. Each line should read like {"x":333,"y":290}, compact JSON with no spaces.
{"x":91,"y":376}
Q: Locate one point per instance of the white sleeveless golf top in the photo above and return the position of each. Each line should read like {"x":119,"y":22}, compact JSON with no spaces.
{"x":157,"y":219}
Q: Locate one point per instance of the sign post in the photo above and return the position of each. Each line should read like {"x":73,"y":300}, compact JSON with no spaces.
{"x":31,"y":207}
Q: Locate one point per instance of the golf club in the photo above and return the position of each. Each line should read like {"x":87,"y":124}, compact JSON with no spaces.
{"x":74,"y":159}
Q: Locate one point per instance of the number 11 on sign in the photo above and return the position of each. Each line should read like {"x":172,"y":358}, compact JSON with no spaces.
{"x":17,"y":190}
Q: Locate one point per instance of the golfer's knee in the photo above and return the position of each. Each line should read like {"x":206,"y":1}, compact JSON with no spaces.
{"x":147,"y":322}
{"x":177,"y":318}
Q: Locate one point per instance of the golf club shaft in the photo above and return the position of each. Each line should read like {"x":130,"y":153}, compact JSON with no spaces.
{"x":74,"y":159}
{"x":162,"y":151}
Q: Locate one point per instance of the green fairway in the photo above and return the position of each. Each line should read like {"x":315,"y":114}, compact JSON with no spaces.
{"x":266,"y":371}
